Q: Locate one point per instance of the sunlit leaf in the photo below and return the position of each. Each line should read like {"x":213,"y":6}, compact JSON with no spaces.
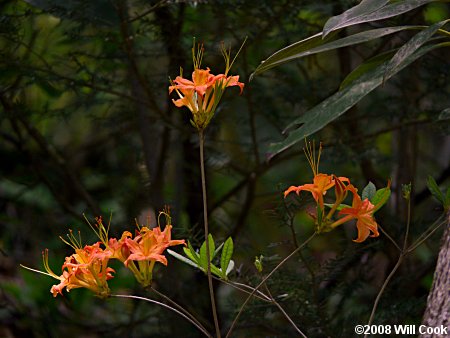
{"x":182,"y":258}
{"x":380,"y":198}
{"x":227,"y":253}
{"x":216,"y":271}
{"x":203,"y":255}
{"x":193,"y":257}
{"x":217,"y":251}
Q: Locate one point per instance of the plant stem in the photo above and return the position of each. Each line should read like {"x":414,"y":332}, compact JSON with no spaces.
{"x":390,"y":238}
{"x":426,"y":234}
{"x":403,"y":253}
{"x":386,"y":282}
{"x":264,"y":280}
{"x":241,"y":287}
{"x":305,"y":262}
{"x":289,"y":319}
{"x":178,"y":306}
{"x":201,"y":328}
{"x":205,"y":221}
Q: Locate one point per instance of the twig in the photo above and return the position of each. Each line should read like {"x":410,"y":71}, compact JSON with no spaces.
{"x":202,"y":329}
{"x":205,"y":220}
{"x":264,"y":280}
{"x":175,"y":304}
{"x":403,"y":253}
{"x":390,"y":238}
{"x":241,"y":286}
{"x":284,"y":312}
{"x":386,"y":282}
{"x":423,"y":237}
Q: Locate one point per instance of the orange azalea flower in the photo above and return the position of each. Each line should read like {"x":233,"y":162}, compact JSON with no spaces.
{"x":202,"y":95}
{"x":201,"y":81}
{"x":229,"y":81}
{"x":362,"y":211}
{"x":321,"y":183}
{"x":119,"y":248}
{"x":147,"y":248}
{"x":150,"y":244}
{"x":87,"y":268}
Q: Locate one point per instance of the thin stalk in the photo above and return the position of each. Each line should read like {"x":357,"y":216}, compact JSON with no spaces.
{"x":178,"y":306}
{"x":422,"y":238}
{"x":241,"y":287}
{"x":289,"y":319}
{"x":386,"y":282}
{"x":264,"y":280}
{"x":202,"y":329}
{"x":205,"y":221}
{"x":403,"y":253}
{"x":390,"y":238}
{"x":304,"y":261}
{"x":408,"y":222}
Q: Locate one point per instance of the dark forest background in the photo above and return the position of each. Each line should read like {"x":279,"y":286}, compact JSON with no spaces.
{"x":87,"y":128}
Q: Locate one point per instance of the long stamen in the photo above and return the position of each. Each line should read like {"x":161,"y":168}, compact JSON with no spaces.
{"x":197,"y":55}
{"x":166,"y":213}
{"x":310,"y":153}
{"x":227,"y":56}
{"x":73,"y":242}
{"x":46,"y":265}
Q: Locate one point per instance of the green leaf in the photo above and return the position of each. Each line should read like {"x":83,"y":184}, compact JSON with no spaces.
{"x":193,"y":252}
{"x":410,"y":47}
{"x":193,"y":257}
{"x":279,"y":57}
{"x":217,"y":251}
{"x":352,"y":15}
{"x":315,"y":44}
{"x":203,"y":256}
{"x":380,"y":198}
{"x":216,"y":271}
{"x":337,"y":104}
{"x":369,"y":191}
{"x":259,"y":263}
{"x":434,"y":189}
{"x":394,"y":9}
{"x":182,"y":258}
{"x":227,"y":252}
{"x":367,"y":66}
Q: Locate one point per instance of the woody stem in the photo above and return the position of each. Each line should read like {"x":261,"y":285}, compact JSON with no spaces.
{"x":205,"y":221}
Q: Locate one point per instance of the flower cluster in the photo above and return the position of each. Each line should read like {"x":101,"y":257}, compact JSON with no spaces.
{"x":88,"y":266}
{"x":361,"y":210}
{"x":202,"y":94}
